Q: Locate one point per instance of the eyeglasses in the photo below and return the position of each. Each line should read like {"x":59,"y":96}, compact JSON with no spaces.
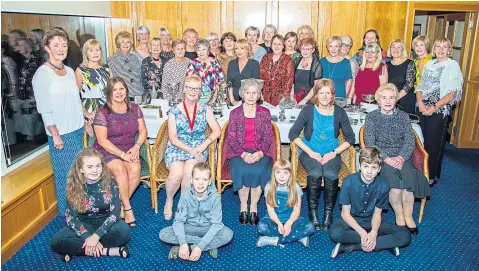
{"x":192,"y":89}
{"x":346,"y":45}
{"x":307,"y":49}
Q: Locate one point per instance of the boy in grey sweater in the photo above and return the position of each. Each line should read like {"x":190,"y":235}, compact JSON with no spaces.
{"x":198,"y":220}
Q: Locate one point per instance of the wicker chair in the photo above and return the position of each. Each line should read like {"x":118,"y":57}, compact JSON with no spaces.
{"x":419,"y":159}
{"x":348,"y":163}
{"x":223,"y":178}
{"x":145,"y":157}
{"x":159,"y":172}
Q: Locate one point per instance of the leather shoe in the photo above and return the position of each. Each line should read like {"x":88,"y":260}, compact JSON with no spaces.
{"x":243,"y":218}
{"x":254,"y":219}
{"x":413,"y":231}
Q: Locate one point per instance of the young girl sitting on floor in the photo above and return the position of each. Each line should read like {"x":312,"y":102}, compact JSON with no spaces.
{"x":283,"y":224}
{"x":94,"y":227}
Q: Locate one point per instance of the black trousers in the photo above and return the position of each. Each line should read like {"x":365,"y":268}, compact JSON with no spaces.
{"x":434,"y":130}
{"x":408,"y":103}
{"x":389,"y":235}
{"x":66,"y":242}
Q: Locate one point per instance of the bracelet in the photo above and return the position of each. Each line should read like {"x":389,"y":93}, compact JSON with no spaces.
{"x":122,"y":154}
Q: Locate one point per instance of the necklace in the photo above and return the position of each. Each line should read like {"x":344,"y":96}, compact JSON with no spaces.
{"x":57,"y":67}
{"x":303,"y":64}
{"x":191,"y":123}
{"x":155,"y":59}
{"x":322,"y":123}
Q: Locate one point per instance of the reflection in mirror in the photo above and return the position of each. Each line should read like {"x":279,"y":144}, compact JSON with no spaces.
{"x":23,"y":53}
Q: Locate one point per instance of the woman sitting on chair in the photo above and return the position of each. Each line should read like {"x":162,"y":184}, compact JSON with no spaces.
{"x":116,"y":125}
{"x":321,"y":121}
{"x":250,"y":135}
{"x":187,"y":143}
{"x":388,"y":129}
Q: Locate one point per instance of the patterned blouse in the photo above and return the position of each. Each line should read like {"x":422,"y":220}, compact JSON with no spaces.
{"x":418,"y":70}
{"x":402,"y":75}
{"x":167,"y":55}
{"x":128,"y":67}
{"x":93,"y":91}
{"x":151,"y":75}
{"x":211,"y":74}
{"x":11,"y":69}
{"x":438,"y":80}
{"x":174,"y":72}
{"x":224,"y":59}
{"x":100,"y":205}
{"x":278,"y":77}
{"x":30,"y":66}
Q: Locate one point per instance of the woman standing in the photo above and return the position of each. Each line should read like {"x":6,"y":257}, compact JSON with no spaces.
{"x":252,"y":35}
{"x":277,"y":72}
{"x":249,"y":155}
{"x":92,"y":76}
{"x":227,"y":51}
{"x":346,"y":45}
{"x":127,"y":64}
{"x":29,"y":66}
{"x":166,"y":47}
{"x":439,"y":89}
{"x":268,"y":32}
{"x":174,"y":72}
{"x":402,"y":73}
{"x":322,"y":121}
{"x":190,"y":36}
{"x":208,"y":69}
{"x":372,"y":73}
{"x":143,"y":37}
{"x":307,"y":71}
{"x":305,"y":31}
{"x":370,"y":36}
{"x":94,"y":227}
{"x":421,"y":48}
{"x":36,"y":36}
{"x":241,"y":68}
{"x":290,"y":43}
{"x":187,"y":143}
{"x":336,"y":67}
{"x":116,"y":125}
{"x":56,"y":94}
{"x":152,"y":70}
{"x":213,"y":39}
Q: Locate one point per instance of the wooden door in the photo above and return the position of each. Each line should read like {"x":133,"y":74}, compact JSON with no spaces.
{"x":466,"y":120}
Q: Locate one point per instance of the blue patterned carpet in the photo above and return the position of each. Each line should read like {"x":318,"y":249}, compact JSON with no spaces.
{"x":448,"y":240}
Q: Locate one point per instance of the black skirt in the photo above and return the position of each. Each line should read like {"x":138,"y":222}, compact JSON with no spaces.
{"x":409,"y":178}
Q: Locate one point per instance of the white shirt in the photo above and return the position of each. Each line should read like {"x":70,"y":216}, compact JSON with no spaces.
{"x":58,"y":99}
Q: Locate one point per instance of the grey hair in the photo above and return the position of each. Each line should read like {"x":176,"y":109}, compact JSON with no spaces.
{"x":334,"y":38}
{"x":252,"y":28}
{"x":212,"y":36}
{"x":272,"y":27}
{"x":251,"y":82}
{"x":142,"y":29}
{"x":204,"y":43}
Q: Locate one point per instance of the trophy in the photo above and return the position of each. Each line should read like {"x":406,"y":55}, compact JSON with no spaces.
{"x":369,"y":98}
{"x":221,"y":97}
{"x":285,"y":103}
{"x":173,"y":90}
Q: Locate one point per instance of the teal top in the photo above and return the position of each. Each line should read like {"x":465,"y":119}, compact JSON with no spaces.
{"x":323,"y":139}
{"x":338,"y":72}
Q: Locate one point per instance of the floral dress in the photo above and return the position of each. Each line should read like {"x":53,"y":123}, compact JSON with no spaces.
{"x":278,"y":78}
{"x":191,"y":138}
{"x":25,"y":77}
{"x":93,"y":90}
{"x":151,"y":75}
{"x":211,"y":74}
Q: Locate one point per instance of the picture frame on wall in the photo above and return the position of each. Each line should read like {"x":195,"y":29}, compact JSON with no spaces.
{"x":417,"y":30}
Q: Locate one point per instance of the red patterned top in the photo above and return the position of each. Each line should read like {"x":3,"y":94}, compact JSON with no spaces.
{"x":249,"y":133}
{"x":278,"y":77}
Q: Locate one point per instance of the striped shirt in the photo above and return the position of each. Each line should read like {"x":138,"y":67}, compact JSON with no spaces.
{"x":128,"y":67}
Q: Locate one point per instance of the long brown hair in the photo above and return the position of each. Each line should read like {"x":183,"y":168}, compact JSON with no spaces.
{"x":76,"y":180}
{"x":109,"y":94}
{"x":273,"y":185}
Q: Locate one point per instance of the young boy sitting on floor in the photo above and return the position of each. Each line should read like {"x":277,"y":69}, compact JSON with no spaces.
{"x":363,"y":196}
{"x":198,"y":220}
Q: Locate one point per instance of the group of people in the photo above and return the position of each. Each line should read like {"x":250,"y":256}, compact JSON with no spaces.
{"x":96,"y":191}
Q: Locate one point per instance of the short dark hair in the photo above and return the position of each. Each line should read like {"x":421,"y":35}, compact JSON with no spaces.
{"x":370,"y":155}
{"x":201,"y":167}
{"x":227,"y":35}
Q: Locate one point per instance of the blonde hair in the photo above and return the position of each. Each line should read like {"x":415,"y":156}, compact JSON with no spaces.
{"x":201,"y":167}
{"x":212,"y":36}
{"x":334,"y":38}
{"x":370,"y":155}
{"x":190,"y":30}
{"x":273,"y":185}
{"x":346,"y":40}
{"x":383,"y":87}
{"x":86,"y":46}
{"x":178,"y":42}
{"x":373,"y":46}
{"x":150,"y":44}
{"x":123,"y":35}
{"x":76,"y":180}
{"x":311,"y":32}
{"x":424,"y":39}
{"x":193,"y":78}
{"x":323,"y":82}
{"x":439,"y":41}
{"x":403,"y":46}
{"x":243,"y":43}
{"x":271,"y":27}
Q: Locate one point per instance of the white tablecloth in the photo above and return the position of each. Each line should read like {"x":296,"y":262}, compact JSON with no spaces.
{"x":153,"y":122}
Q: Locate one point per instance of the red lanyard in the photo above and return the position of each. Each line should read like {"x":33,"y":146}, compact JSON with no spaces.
{"x":190,"y":122}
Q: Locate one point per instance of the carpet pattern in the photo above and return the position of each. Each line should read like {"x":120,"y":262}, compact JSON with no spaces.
{"x":448,"y":240}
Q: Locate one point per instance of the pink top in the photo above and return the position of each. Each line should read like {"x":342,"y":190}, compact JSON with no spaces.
{"x":249,"y":133}
{"x":367,"y":82}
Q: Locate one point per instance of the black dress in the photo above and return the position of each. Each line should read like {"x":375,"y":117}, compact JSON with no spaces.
{"x":250,"y":70}
{"x":403,"y":77}
{"x":191,"y":55}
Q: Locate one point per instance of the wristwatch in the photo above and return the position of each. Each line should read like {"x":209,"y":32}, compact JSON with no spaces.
{"x":335,"y":152}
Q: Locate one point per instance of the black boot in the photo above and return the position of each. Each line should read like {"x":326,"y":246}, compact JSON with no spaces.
{"x":313,"y":193}
{"x":330,"y":195}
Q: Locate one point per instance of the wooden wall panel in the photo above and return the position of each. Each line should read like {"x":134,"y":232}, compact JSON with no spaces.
{"x":292,"y":15}
{"x":247,"y":14}
{"x":163,"y":14}
{"x":204,"y":17}
{"x":12,"y":21}
{"x":348,"y":18}
{"x":120,"y":9}
{"x":113,"y":27}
